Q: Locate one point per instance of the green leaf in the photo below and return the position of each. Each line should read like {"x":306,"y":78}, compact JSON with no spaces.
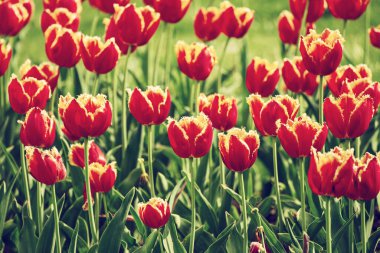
{"x":343,"y":229}
{"x":127,"y":184}
{"x":149,"y":243}
{"x":175,"y":192}
{"x":232,"y":193}
{"x":203,"y":240}
{"x":219,"y":245}
{"x":140,"y":226}
{"x":171,"y":242}
{"x":373,"y":241}
{"x":28,"y":238}
{"x":79,"y":243}
{"x":74,"y":239}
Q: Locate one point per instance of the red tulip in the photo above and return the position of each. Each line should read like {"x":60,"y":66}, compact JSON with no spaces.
{"x":172,"y":11}
{"x":191,"y":136}
{"x":102,"y":177}
{"x":315,"y":9}
{"x":74,"y":6}
{"x":155,"y":213}
{"x":222,"y":111}
{"x":330,"y":174}
{"x":207,"y":24}
{"x":262,"y":77}
{"x":62,"y":46}
{"x":322,"y":53}
{"x":15,"y":15}
{"x":27,"y":93}
{"x":348,"y":116}
{"x":297,"y":7}
{"x":150,"y":107}
{"x":38,"y":129}
{"x":60,"y":16}
{"x":95,"y":155}
{"x":85,"y":116}
{"x":366,"y":180}
{"x":299,"y":136}
{"x":239,"y":148}
{"x":374,"y":36}
{"x":309,"y":27}
{"x":45,"y":71}
{"x":235,"y":22}
{"x":363,"y":87}
{"x":256,"y":247}
{"x":288,"y":28}
{"x":5,"y":56}
{"x":347,"y":9}
{"x":98,"y":56}
{"x":268,"y":116}
{"x":107,"y":6}
{"x":297,"y":78}
{"x":46,"y":166}
{"x":195,"y":60}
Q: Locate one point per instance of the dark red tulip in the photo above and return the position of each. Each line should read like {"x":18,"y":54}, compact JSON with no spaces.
{"x":374,"y":36}
{"x":171,"y":11}
{"x":207,"y":24}
{"x":45,"y":71}
{"x":15,"y":15}
{"x":5,"y":56}
{"x":364,"y":87}
{"x":155,"y":213}
{"x":74,"y":6}
{"x":235,"y":22}
{"x":60,"y":16}
{"x":95,"y":155}
{"x":107,"y":6}
{"x":347,"y":9}
{"x":288,"y":28}
{"x":102,"y":177}
{"x":315,"y":9}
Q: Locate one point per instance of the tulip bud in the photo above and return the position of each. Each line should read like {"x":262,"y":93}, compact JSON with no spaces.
{"x":268,"y":116}
{"x":97,"y":56}
{"x":155,"y":213}
{"x":74,"y":6}
{"x":262,"y":77}
{"x":235,"y":21}
{"x":374,"y":36}
{"x":46,"y":166}
{"x":62,"y":46}
{"x":27,"y":93}
{"x":207,"y":24}
{"x":15,"y":15}
{"x":299,"y":136}
{"x":256,"y":247}
{"x":102,"y":177}
{"x":322,"y":53}
{"x":171,"y":11}
{"x":85,"y":116}
{"x":60,"y":16}
{"x":45,"y":71}
{"x":222,"y":111}
{"x":348,"y":116}
{"x":5,"y":56}
{"x":347,"y":9}
{"x":195,"y":60}
{"x":107,"y":6}
{"x":330,"y":174}
{"x":191,"y":136}
{"x":95,"y":155}
{"x":150,"y":107}
{"x":288,"y":28}
{"x":38,"y":129}
{"x":239,"y":148}
{"x":315,"y":9}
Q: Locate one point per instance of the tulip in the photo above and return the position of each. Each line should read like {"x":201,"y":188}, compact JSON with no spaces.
{"x":235,"y":21}
{"x":262,"y":77}
{"x":27,"y":93}
{"x":60,"y":16}
{"x":15,"y":15}
{"x":297,"y":78}
{"x":150,"y":107}
{"x":322,"y":53}
{"x":297,"y":7}
{"x":38,"y":129}
{"x":309,"y":27}
{"x":256,"y":247}
{"x":207,"y":24}
{"x":268,"y":116}
{"x":85,"y":116}
{"x":222,"y":111}
{"x":195,"y":60}
{"x":102,"y":177}
{"x":62,"y":46}
{"x":5,"y":56}
{"x":155,"y":213}
{"x":171,"y":11}
{"x":95,"y":155}
{"x":374,"y":36}
{"x":315,"y":9}
{"x":108,"y":5}
{"x":45,"y":71}
{"x":98,"y":56}
{"x":288,"y":28}
{"x":74,"y":6}
{"x":348,"y":116}
{"x":363,"y":87}
{"x":347,"y":9}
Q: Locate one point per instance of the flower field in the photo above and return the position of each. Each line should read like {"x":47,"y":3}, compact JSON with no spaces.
{"x":190,"y":126}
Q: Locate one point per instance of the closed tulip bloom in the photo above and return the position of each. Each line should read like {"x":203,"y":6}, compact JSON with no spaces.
{"x":330,"y":174}
{"x":45,"y":71}
{"x":150,"y":107}
{"x":74,"y":6}
{"x":315,"y":11}
{"x":45,"y":166}
{"x":98,"y":56}
{"x":322,"y":53}
{"x":195,"y":60}
{"x":62,"y":46}
{"x":297,"y":79}
{"x":5,"y":56}
{"x":235,"y":21}
{"x":207,"y":24}
{"x":191,"y":136}
{"x":298,"y":136}
{"x":262,"y":77}
{"x":269,"y":115}
{"x":15,"y":15}
{"x":111,"y":32}
{"x":85,"y":116}
{"x":38,"y":129}
{"x":288,"y":28}
{"x":297,"y":7}
{"x":374,"y":36}
{"x":107,"y":6}
{"x":60,"y":16}
{"x":27,"y":93}
{"x":171,"y":11}
{"x":102,"y":177}
{"x":366,"y":179}
{"x":222,"y":111}
{"x":95,"y":155}
{"x":347,"y":9}
{"x":348,"y":116}
{"x":364,"y":87}
{"x":155,"y":213}
{"x":239,"y":148}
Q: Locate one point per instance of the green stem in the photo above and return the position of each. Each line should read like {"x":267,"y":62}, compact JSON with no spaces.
{"x":367,"y":25}
{"x":192,"y":233}
{"x":351,"y":227}
{"x":150,"y":160}
{"x":96,"y":83}
{"x":196,"y":97}
{"x":124,"y":142}
{"x":303,"y":198}
{"x":221,"y":168}
{"x":321,"y":100}
{"x":97,"y":213}
{"x":52,"y":101}
{"x":362,"y":227}
{"x":25,"y":179}
{"x":168,"y":55}
{"x":221,"y":65}
{"x":105,"y":206}
{"x":328,"y":225}
{"x":191,"y":99}
{"x":114,"y":99}
{"x":39,"y":208}
{"x":2,"y":97}
{"x":277,"y":185}
{"x":244,"y":212}
{"x":345,"y":21}
{"x":158,"y":54}
{"x":56,"y":219}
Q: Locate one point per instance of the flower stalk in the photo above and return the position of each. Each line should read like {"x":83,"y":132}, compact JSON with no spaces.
{"x":150,"y":159}
{"x":56,"y":219}
{"x":192,"y":232}
{"x":244,"y":212}
{"x":25,"y":179}
{"x":281,"y":220}
{"x":124,"y":132}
